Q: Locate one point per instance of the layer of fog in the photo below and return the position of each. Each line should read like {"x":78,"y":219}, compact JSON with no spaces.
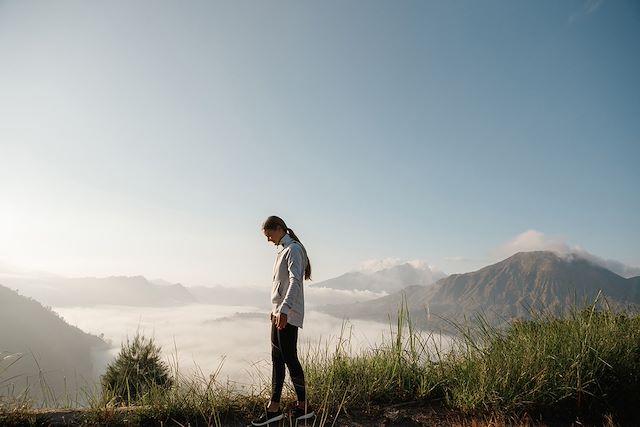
{"x":318,"y":296}
{"x":206,"y":338}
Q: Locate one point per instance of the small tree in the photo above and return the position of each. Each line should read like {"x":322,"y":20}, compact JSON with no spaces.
{"x":137,"y":369}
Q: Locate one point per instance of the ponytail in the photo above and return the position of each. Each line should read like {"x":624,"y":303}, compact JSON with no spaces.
{"x":307,"y":270}
{"x":293,"y":235}
{"x":272,"y":223}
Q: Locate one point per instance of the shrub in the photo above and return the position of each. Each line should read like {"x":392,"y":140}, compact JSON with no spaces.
{"x":137,"y":370}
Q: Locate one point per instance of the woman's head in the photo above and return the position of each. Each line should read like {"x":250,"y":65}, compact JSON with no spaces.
{"x":274,"y":229}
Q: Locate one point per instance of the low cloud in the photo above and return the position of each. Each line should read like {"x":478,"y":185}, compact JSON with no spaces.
{"x":239,"y":347}
{"x":533,"y":240}
{"x":317,"y":296}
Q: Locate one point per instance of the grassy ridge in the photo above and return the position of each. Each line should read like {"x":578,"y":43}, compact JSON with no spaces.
{"x":587,"y":362}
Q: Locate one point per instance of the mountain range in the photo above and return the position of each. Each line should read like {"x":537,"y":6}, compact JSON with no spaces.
{"x":56,"y":291}
{"x":387,"y":280}
{"x":89,"y":291}
{"x":513,"y":288}
{"x":506,"y":290}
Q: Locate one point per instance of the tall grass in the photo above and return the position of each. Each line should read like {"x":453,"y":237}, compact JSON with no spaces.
{"x":587,"y":361}
{"x":399,"y":369}
{"x":11,"y":405}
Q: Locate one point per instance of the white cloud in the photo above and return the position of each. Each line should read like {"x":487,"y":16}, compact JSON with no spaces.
{"x":533,"y":240}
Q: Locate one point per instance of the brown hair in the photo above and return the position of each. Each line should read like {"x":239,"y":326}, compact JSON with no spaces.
{"x":272,"y":223}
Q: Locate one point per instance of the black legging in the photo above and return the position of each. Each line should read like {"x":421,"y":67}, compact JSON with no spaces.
{"x":283,"y":351}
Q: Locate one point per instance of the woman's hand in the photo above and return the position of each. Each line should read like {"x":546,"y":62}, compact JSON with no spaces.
{"x":281,"y":320}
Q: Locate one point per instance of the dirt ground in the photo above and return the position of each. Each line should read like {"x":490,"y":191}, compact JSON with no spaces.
{"x":417,"y":414}
{"x":408,"y":414}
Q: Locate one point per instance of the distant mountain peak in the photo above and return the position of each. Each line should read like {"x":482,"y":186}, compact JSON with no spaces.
{"x":549,"y":261}
{"x":578,"y":255}
{"x":373,"y":266}
{"x":390,"y":279}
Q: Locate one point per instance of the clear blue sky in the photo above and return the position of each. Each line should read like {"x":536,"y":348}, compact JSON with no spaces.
{"x":153,"y":137}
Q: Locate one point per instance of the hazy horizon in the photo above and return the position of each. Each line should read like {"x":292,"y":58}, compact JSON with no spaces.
{"x":530,"y":240}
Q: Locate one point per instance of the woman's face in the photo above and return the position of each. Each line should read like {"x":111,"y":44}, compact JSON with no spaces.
{"x":274,"y":236}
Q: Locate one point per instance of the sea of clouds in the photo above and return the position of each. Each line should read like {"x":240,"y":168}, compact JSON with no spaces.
{"x":230,"y":340}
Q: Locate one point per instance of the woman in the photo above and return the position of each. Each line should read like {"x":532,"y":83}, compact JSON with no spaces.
{"x":287,"y":296}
